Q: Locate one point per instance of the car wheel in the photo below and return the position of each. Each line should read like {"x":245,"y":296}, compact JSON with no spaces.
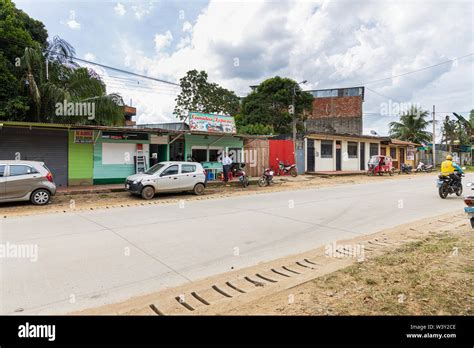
{"x":148,"y":192}
{"x":198,"y":189}
{"x":40,"y":197}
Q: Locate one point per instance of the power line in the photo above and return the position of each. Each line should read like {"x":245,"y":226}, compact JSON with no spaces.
{"x":417,"y":70}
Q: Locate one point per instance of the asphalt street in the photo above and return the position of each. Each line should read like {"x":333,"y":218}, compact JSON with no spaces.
{"x":90,"y":258}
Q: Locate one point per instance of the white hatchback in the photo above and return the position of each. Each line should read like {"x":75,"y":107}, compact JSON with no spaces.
{"x":168,"y":177}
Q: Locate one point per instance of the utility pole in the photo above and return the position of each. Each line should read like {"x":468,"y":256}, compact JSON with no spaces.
{"x":434,"y":137}
{"x":293,"y":111}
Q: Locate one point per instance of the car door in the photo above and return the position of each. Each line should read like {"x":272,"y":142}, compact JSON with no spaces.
{"x":3,"y":179}
{"x":169,"y":179}
{"x":188,"y":176}
{"x":20,"y":181}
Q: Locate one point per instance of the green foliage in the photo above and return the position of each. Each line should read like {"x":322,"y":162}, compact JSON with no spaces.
{"x":255,"y":129}
{"x":471,"y":118}
{"x":412,"y":126}
{"x":457,"y":131}
{"x":268,"y":104}
{"x":27,"y":94}
{"x":199,"y":95}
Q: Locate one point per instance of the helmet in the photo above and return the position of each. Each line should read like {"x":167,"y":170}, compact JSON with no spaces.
{"x":449,"y":158}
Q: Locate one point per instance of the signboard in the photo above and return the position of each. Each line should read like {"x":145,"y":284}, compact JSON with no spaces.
{"x":410,"y":154}
{"x":211,"y":123}
{"x":83,"y":137}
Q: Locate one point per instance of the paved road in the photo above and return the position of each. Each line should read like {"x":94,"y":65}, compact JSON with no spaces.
{"x":90,"y":258}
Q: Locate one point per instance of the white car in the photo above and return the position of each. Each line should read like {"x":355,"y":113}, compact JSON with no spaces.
{"x":168,"y":177}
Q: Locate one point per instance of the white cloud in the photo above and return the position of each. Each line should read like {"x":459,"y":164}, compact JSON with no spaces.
{"x":162,"y":41}
{"x":187,"y":27}
{"x":89,"y":56}
{"x":120,"y":9}
{"x":142,"y":10}
{"x":71,"y":22}
{"x":329,"y":43}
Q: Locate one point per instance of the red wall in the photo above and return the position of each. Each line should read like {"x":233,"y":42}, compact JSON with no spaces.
{"x":280,"y":150}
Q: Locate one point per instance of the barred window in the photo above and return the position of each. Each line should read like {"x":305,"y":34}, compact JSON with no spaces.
{"x":352,"y":149}
{"x":326,"y":148}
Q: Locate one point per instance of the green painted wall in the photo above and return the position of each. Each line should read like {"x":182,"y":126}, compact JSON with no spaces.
{"x":81,"y":162}
{"x":199,"y":140}
{"x":112,"y":173}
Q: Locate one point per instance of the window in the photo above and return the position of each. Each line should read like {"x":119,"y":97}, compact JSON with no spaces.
{"x":352,"y":149}
{"x":155,"y":168}
{"x":171,"y":170}
{"x":188,"y":168}
{"x":374,"y":149}
{"x":393,"y":152}
{"x":21,"y":170}
{"x":2,"y":170}
{"x":199,"y":155}
{"x":214,"y":155}
{"x":326,"y":148}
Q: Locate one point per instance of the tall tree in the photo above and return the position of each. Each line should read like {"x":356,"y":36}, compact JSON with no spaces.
{"x":412,"y":126}
{"x":199,"y":95}
{"x":268,"y":105}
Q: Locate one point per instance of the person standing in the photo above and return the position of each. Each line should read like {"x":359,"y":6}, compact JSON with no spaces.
{"x":226,"y":163}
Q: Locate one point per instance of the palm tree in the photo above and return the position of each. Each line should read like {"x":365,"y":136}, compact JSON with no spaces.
{"x":66,"y":81}
{"x":412,"y":126}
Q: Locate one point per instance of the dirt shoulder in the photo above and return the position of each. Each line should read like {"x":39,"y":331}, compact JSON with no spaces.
{"x":90,"y":201}
{"x":420,"y":268}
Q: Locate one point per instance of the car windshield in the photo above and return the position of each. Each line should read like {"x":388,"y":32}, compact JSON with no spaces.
{"x":155,"y":168}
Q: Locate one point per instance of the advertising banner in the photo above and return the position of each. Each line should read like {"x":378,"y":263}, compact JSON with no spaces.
{"x":211,"y":123}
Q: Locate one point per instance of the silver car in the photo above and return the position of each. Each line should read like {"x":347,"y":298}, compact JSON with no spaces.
{"x":26,"y":181}
{"x":168,"y":177}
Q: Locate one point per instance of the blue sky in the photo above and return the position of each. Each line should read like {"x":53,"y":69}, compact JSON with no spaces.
{"x":331,"y":44}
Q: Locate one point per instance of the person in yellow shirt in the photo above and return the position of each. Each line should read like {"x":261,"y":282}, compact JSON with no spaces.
{"x":448,"y":168}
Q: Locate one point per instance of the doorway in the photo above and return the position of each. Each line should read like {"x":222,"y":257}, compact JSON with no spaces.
{"x":338,"y":155}
{"x":362,"y":156}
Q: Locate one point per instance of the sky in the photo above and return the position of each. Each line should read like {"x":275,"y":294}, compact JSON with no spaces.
{"x":331,"y":44}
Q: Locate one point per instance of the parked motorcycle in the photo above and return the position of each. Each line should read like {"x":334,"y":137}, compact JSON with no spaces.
{"x":287,"y":169}
{"x":469,"y":200}
{"x":424,"y":168}
{"x":242,"y":175}
{"x":448,"y":185}
{"x":405,"y":168}
{"x":267,"y":178}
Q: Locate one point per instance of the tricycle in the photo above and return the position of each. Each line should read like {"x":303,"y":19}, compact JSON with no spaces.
{"x":469,"y":200}
{"x":379,"y":164}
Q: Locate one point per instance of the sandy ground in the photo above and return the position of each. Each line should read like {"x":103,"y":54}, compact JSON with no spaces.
{"x":91,"y":201}
{"x":419,"y":268}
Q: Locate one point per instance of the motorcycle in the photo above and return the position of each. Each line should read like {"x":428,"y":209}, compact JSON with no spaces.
{"x":448,"y":184}
{"x":469,"y":201}
{"x":242,"y":175}
{"x":424,"y":168}
{"x":267,"y":178}
{"x":405,"y":168}
{"x":287,"y":169}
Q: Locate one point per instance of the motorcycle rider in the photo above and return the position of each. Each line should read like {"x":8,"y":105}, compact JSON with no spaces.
{"x":448,"y":168}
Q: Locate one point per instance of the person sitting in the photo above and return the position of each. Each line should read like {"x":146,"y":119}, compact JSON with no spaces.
{"x":449,"y":168}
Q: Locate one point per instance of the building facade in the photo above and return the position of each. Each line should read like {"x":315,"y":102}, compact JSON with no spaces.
{"x":336,"y":111}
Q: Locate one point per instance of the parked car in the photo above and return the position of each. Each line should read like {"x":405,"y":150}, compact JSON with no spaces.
{"x":26,"y":180}
{"x":168,"y":177}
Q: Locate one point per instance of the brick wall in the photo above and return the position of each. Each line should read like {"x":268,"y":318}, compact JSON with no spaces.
{"x":336,"y":114}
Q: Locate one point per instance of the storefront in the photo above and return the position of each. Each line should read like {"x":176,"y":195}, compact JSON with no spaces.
{"x":339,"y":152}
{"x":43,"y":142}
{"x":209,"y":150}
{"x":115,"y":155}
{"x":400,"y":151}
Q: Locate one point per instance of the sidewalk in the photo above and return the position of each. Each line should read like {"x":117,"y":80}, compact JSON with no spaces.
{"x":75,"y":190}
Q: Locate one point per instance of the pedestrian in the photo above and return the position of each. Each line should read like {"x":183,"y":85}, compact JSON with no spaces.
{"x":226,"y":163}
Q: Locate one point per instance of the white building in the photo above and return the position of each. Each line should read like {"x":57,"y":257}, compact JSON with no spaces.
{"x":326,"y":152}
